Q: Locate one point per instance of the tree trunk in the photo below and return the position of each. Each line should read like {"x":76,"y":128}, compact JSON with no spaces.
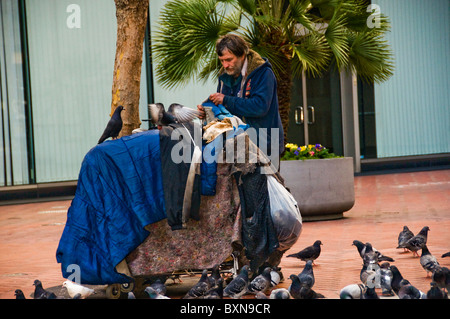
{"x":131,"y":23}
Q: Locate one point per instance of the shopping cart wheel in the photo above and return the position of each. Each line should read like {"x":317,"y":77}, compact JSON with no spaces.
{"x":127,"y":287}
{"x":113,"y":291}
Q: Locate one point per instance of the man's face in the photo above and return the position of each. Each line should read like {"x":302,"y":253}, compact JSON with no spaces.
{"x":231,"y":63}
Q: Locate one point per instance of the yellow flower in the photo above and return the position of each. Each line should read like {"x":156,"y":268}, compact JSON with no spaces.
{"x":302,"y":148}
{"x":291,"y":147}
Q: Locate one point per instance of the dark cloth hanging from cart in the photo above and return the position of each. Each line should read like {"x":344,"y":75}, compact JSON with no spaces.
{"x":259,"y":236}
{"x":250,"y":168}
{"x":175,"y":174}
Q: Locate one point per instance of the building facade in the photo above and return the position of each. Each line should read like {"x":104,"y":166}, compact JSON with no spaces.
{"x":56,"y":68}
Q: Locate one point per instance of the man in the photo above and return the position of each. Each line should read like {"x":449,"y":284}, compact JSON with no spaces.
{"x":248,"y":89}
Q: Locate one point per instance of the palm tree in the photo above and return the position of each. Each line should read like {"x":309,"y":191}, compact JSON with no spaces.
{"x":311,"y":36}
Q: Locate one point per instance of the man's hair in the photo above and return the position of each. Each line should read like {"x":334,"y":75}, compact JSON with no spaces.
{"x":233,"y":43}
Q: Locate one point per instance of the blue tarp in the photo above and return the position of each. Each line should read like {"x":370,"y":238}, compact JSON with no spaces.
{"x":119,"y":192}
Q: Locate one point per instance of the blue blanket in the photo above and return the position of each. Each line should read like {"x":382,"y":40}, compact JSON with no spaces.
{"x":119,"y":192}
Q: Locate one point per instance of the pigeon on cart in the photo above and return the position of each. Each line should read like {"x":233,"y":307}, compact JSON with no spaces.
{"x":114,"y":125}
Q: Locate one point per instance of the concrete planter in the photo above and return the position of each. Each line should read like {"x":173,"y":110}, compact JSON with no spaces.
{"x":324,"y":188}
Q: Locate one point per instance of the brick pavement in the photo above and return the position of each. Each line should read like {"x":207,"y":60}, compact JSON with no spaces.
{"x":29,"y":234}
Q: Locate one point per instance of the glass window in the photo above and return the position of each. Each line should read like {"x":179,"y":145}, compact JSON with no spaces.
{"x":13,"y":138}
{"x":72,"y":47}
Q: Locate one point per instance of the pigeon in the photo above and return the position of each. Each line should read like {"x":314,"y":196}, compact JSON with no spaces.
{"x":361,"y":247}
{"x":238,"y":286}
{"x":385,"y":275}
{"x":78,"y":296}
{"x":396,"y":279}
{"x":275,"y":276}
{"x":408,"y":291}
{"x":441,"y":276}
{"x":446,"y":255}
{"x":200,"y":288}
{"x":214,"y":278}
{"x":428,"y":261}
{"x":41,"y":293}
{"x":403,"y":237}
{"x":352,"y":291}
{"x":370,"y":257}
{"x":417,"y":242}
{"x":153,"y":294}
{"x":306,"y":277}
{"x":309,"y":253}
{"x":304,"y":280}
{"x":280,"y":293}
{"x":74,"y":288}
{"x":261,"y":282}
{"x":216,"y":292}
{"x":114,"y":125}
{"x":435,"y":292}
{"x":301,"y":290}
{"x":176,"y":113}
{"x":370,"y":293}
{"x":19,"y":294}
{"x":295,"y":287}
{"x":159,"y":286}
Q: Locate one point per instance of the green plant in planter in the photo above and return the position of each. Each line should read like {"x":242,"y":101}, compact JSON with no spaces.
{"x":295,"y":152}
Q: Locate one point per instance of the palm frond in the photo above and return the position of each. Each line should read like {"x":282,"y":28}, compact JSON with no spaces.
{"x":336,"y":35}
{"x":312,"y":54}
{"x":186,"y":37}
{"x":299,"y":12}
{"x":371,"y":57}
{"x":273,"y":51}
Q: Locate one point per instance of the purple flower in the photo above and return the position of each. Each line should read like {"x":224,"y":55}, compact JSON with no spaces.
{"x":296,"y":152}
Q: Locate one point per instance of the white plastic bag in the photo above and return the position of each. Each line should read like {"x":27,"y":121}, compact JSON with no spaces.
{"x":285,"y":214}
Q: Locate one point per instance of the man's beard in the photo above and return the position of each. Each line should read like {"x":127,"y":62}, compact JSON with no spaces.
{"x":236,"y":71}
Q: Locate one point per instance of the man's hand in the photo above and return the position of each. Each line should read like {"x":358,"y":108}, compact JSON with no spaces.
{"x":217,"y":98}
{"x":201,"y":110}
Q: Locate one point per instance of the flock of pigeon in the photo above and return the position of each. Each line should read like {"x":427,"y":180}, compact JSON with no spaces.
{"x":75,"y":291}
{"x":376,"y":272}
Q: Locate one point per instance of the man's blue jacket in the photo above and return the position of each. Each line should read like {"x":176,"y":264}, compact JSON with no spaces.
{"x":258,"y":104}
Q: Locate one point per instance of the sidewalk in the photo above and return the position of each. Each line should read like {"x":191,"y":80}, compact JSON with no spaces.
{"x":30,"y":233}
